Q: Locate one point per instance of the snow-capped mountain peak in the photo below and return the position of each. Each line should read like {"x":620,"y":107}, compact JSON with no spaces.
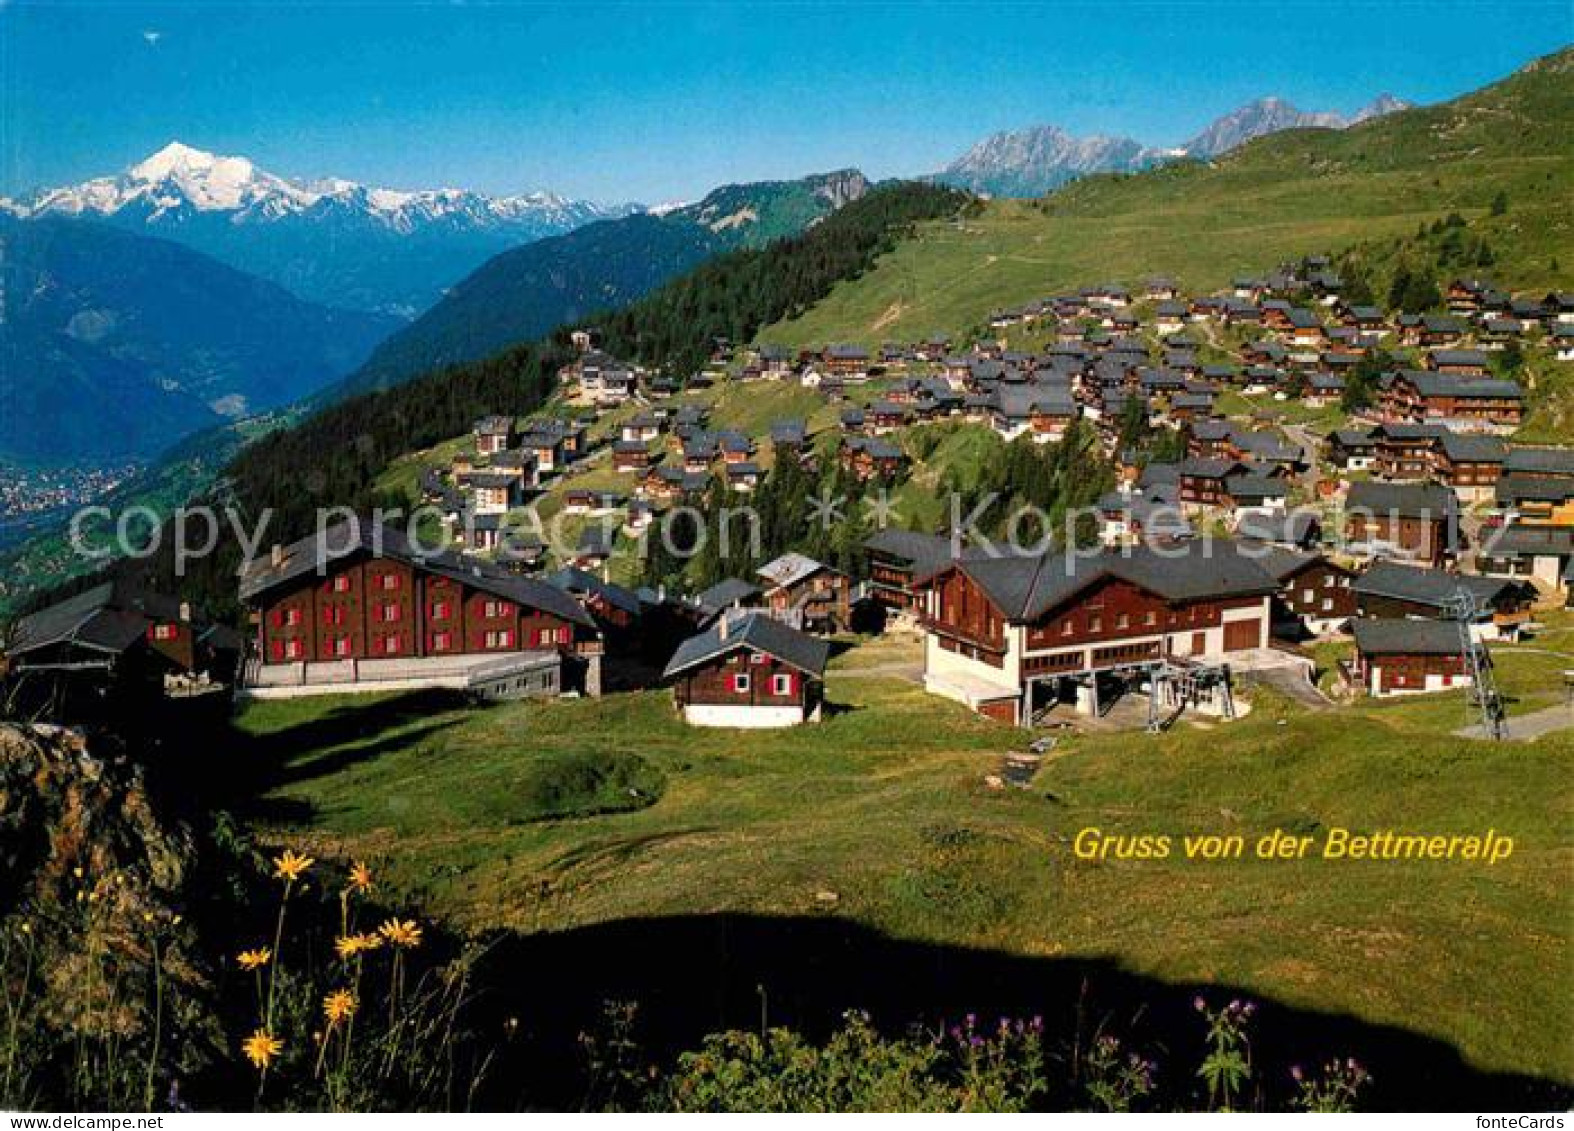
{"x":329,"y":239}
{"x":180,"y":176}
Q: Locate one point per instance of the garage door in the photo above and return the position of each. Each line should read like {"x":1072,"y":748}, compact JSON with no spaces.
{"x":1240,"y":634}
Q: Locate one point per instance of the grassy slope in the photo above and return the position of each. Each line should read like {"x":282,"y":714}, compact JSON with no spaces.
{"x":885,"y":805}
{"x":1280,"y":197}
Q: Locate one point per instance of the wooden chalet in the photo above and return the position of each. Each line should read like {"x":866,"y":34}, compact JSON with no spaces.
{"x":1008,"y":635}
{"x":1415,"y":521}
{"x":359,"y":605}
{"x":805,"y":593}
{"x":896,"y":559}
{"x":1391,"y":589}
{"x":749,"y":670}
{"x":1408,"y":657}
{"x":111,"y":649}
{"x":1465,"y":403}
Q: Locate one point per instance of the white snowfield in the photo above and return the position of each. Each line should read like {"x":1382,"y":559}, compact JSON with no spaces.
{"x":180,"y":177}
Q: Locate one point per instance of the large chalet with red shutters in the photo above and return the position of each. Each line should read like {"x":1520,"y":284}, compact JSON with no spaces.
{"x":360,"y":604}
{"x":1010,"y":634}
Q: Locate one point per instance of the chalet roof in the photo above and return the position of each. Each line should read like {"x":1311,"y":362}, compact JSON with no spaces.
{"x":1406,"y":638}
{"x":1293,"y":528}
{"x":1404,"y":500}
{"x":1395,"y":431}
{"x":1519,"y":540}
{"x":1353,"y":437}
{"x":582,"y":585}
{"x":107,"y":618}
{"x":1430,"y":384}
{"x":1541,"y":461}
{"x":596,"y":541}
{"x":1458,"y":357}
{"x":789,"y":569}
{"x":494,"y":425}
{"x":1266,"y":446}
{"x":756,"y":632}
{"x":724,"y":594}
{"x":788,"y":432}
{"x":312,"y":555}
{"x":1422,"y":586}
{"x":1024,"y":587}
{"x":1519,"y":487}
{"x":1281,"y":564}
{"x":924,"y":552}
{"x":1473,"y":447}
{"x":1207,"y":468}
{"x":876,"y":448}
{"x":1249,"y":486}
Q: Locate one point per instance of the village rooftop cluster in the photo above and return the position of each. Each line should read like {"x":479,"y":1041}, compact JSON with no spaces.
{"x":1407,"y":520}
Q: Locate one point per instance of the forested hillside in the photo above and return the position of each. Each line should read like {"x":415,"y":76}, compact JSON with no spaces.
{"x":522,"y":294}
{"x":334,"y":457}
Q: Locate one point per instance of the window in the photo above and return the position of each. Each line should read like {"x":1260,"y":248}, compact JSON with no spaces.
{"x":341,"y":645}
{"x":758,"y":658}
{"x":499,"y":638}
{"x":781,"y":685}
{"x":1308,"y":596}
{"x":740,"y":683}
{"x":496,"y":609}
{"x":292,"y":617}
{"x":1328,"y":604}
{"x":164,"y":632}
{"x":1095,"y":623}
{"x":1150,"y":617}
{"x":389,"y":612}
{"x":390,"y":645}
{"x":1122,"y":620}
{"x":389,"y":581}
{"x":1328,"y":581}
{"x":442,"y":641}
{"x":341,"y":584}
{"x":440,"y":610}
{"x":1066,"y":627}
{"x":293,"y":649}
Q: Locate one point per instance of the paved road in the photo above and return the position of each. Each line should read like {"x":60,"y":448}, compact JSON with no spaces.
{"x":1525,"y":727}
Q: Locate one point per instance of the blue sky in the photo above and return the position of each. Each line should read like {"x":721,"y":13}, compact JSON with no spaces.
{"x":654,"y":102}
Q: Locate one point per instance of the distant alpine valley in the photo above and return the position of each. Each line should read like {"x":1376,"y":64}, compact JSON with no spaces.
{"x":526,"y":292}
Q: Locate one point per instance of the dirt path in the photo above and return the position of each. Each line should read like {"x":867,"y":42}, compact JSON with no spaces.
{"x":1522,"y":728}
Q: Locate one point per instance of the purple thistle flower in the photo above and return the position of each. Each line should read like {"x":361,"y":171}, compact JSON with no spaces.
{"x":1296,"y":1074}
{"x":1198,"y":1004}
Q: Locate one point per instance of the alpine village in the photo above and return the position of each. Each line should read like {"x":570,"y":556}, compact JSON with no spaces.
{"x":828,"y":654}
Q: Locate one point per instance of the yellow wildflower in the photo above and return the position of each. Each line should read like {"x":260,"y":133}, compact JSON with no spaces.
{"x":337,"y":1006}
{"x":254,"y":959}
{"x":291,"y":865}
{"x":349,"y":946}
{"x":261,"y":1047}
{"x":360,"y":877}
{"x":401,"y":933}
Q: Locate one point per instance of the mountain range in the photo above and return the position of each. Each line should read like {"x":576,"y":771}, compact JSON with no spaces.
{"x":118,"y":344}
{"x":1033,"y":161}
{"x":330,"y":241}
{"x":524,"y":293}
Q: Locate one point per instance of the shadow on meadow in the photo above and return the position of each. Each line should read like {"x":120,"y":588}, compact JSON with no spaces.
{"x":690,"y":976}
